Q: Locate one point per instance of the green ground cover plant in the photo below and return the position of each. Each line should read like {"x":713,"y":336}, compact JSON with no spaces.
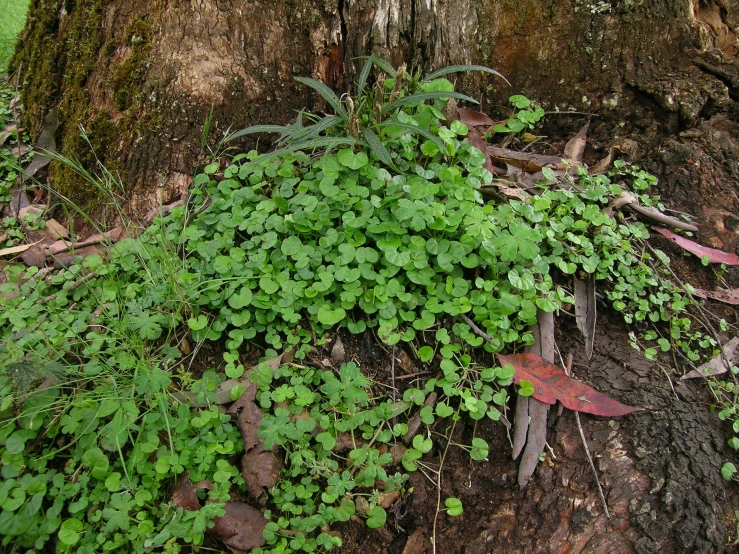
{"x":372,"y":220}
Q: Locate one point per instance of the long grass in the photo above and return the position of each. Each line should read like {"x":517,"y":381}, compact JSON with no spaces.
{"x":12,"y":20}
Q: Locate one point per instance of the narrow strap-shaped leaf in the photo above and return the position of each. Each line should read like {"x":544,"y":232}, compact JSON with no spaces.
{"x":461,"y":69}
{"x":327,"y":94}
{"x":315,"y":129}
{"x":384,"y":65}
{"x":364,"y":75}
{"x":259,"y":129}
{"x":327,"y":143}
{"x":378,"y":148}
{"x":420,"y":131}
{"x":424,"y":96}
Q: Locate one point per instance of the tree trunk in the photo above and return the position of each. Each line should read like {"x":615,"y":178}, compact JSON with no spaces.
{"x":142,"y":76}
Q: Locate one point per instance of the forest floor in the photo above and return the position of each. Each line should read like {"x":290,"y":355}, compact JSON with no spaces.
{"x":131,"y":314}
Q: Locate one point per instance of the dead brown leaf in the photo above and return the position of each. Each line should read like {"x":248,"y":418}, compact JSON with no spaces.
{"x":46,"y":142}
{"x":727,"y":296}
{"x":576,"y":146}
{"x":532,"y":425}
{"x":404,"y":361}
{"x":16,"y":249}
{"x":338,"y":354}
{"x":8,"y":132}
{"x":248,"y":416}
{"x":472,"y":118}
{"x":525,"y":160}
{"x":717,"y":365}
{"x":185,"y":493}
{"x":55,"y":230}
{"x":416,"y":543}
{"x":624,"y":146}
{"x":241,"y":527}
{"x":585,"y":311}
{"x":259,"y":469}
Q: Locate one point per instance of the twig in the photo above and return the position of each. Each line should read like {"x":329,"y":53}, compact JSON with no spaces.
{"x":475,"y":328}
{"x":568,"y":369}
{"x":438,"y":479}
{"x":71,"y":287}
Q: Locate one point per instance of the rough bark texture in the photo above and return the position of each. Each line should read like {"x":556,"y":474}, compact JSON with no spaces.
{"x":141,"y":78}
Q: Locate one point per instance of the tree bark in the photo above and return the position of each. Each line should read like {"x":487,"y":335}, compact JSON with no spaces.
{"x":142,"y":76}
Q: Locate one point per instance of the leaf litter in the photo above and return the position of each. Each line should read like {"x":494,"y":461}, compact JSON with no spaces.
{"x":551,"y":384}
{"x":240,"y":528}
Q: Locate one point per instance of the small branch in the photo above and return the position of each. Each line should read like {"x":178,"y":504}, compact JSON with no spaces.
{"x":71,"y":287}
{"x":476,"y":329}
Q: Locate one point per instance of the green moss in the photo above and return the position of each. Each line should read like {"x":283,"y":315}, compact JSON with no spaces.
{"x":60,"y":54}
{"x":127,"y":75}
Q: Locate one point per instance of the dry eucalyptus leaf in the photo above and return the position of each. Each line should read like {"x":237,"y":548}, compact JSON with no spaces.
{"x":533,"y":426}
{"x":717,"y":365}
{"x":576,"y":146}
{"x":585,"y":311}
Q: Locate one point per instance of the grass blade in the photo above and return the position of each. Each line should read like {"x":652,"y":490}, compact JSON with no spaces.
{"x":418,"y":130}
{"x":327,"y":94}
{"x":423,"y":96}
{"x":259,"y":129}
{"x":463,"y":68}
{"x":327,"y":143}
{"x":378,"y":148}
{"x":315,"y":129}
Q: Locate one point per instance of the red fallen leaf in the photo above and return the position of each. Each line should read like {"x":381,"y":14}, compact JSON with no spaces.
{"x":471,"y":118}
{"x":552,"y":384}
{"x":728,"y":296}
{"x":714,"y":256}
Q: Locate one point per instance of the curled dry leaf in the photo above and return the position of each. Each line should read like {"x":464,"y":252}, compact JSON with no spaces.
{"x":552,"y":384}
{"x":575,"y":147}
{"x":15,"y":249}
{"x":624,"y":146}
{"x":8,"y":132}
{"x":714,"y":256}
{"x":585,"y":311}
{"x":338,"y":353}
{"x":717,"y":365}
{"x":525,"y":160}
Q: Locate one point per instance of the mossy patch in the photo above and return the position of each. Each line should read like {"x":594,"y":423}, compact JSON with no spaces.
{"x":127,"y":75}
{"x":61,"y":52}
